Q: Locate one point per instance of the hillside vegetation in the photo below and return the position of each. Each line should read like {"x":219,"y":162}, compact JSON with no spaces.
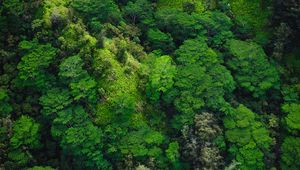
{"x":149,"y":85}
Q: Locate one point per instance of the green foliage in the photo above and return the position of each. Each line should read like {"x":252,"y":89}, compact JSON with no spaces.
{"x":162,"y":76}
{"x":25,"y":133}
{"x":74,"y":38}
{"x":179,"y":5}
{"x":201,"y":79}
{"x":218,"y":25}
{"x":140,"y":11}
{"x":5,"y":107}
{"x":105,"y":10}
{"x":160,"y":40}
{"x":25,"y":136}
{"x":252,"y":16}
{"x":55,"y":14}
{"x":290,"y":94}
{"x":142,"y":142}
{"x":85,"y":141}
{"x":19,"y":157}
{"x":248,"y":137}
{"x":97,"y":100}
{"x":173,"y":152}
{"x":191,"y":83}
{"x":15,"y":6}
{"x":293,"y":118}
{"x":290,"y":150}
{"x":40,"y":168}
{"x":55,"y":100}
{"x":85,"y":88}
{"x":118,"y":88}
{"x":36,"y":59}
{"x":179,"y":24}
{"x":80,"y":137}
{"x":197,"y":51}
{"x":72,"y":68}
{"x":71,"y":115}
{"x":252,"y":70}
{"x":81,"y":84}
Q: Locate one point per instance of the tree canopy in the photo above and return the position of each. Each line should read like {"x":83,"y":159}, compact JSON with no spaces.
{"x":149,"y":84}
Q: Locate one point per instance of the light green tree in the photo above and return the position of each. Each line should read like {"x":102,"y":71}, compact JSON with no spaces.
{"x":248,"y":138}
{"x":161,"y":78}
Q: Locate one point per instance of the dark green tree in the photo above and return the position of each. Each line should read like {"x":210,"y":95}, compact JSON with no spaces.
{"x":79,"y":137}
{"x":105,"y":10}
{"x":55,"y":100}
{"x":139,"y":11}
{"x":5,"y":106}
{"x":290,"y":153}
{"x":160,"y":40}
{"x":36,"y":59}
{"x":34,"y":63}
{"x":201,"y":80}
{"x":251,"y":68}
{"x":179,"y":24}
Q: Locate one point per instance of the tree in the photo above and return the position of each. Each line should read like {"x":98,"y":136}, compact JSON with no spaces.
{"x":162,"y":76}
{"x":160,"y":40}
{"x":252,"y":70}
{"x":251,"y":17}
{"x":248,"y":138}
{"x":141,"y":167}
{"x":199,"y":146}
{"x":173,"y":152}
{"x":25,"y":137}
{"x":15,"y":6}
{"x":85,"y":143}
{"x":140,"y":11}
{"x":105,"y":10}
{"x":189,"y":7}
{"x":72,"y":68}
{"x":190,"y":83}
{"x":75,"y":40}
{"x":142,"y":142}
{"x":81,"y":84}
{"x":79,"y":137}
{"x":55,"y":100}
{"x":25,"y":133}
{"x":290,"y":153}
{"x":118,"y":86}
{"x":292,"y":119}
{"x":201,"y":80}
{"x":36,"y":59}
{"x":197,"y":51}
{"x":85,"y":88}
{"x":218,"y":27}
{"x":5,"y":107}
{"x":179,"y":24}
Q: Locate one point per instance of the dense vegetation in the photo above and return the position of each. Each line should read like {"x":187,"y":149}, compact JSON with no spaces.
{"x":150,"y":84}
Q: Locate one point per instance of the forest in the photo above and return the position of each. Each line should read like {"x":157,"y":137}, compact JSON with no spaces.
{"x":149,"y":84}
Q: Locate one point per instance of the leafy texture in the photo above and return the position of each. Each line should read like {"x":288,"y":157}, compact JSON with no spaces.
{"x":248,"y":137}
{"x":251,"y":68}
